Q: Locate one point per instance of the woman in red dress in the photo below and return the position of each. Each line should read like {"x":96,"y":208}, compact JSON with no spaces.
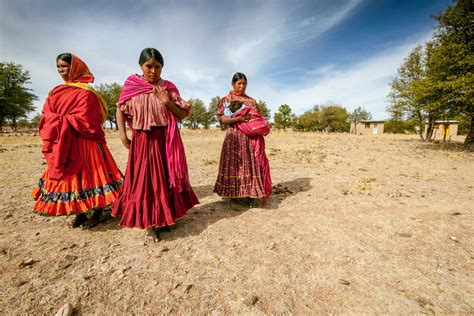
{"x":81,"y":177}
{"x":156,"y":190}
{"x":244,"y":171}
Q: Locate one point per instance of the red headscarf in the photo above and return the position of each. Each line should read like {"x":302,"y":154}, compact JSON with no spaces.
{"x":79,"y":72}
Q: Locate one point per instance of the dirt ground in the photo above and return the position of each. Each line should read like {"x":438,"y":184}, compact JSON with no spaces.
{"x":357,"y":224}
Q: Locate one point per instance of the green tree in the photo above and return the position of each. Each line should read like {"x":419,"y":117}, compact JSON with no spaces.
{"x":358,"y":115}
{"x":310,"y":121}
{"x":34,"y":122}
{"x":397,"y":126}
{"x":198,"y":116}
{"x":212,"y":110}
{"x":110,"y":93}
{"x":334,"y":118}
{"x":453,"y":61}
{"x":284,"y":117}
{"x":264,"y":110}
{"x":414,"y":94}
{"x":16,"y":100}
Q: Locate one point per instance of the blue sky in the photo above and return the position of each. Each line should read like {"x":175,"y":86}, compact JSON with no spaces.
{"x":301,"y":53}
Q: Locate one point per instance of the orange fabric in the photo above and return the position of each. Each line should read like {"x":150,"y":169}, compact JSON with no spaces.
{"x":79,"y":72}
{"x":95,"y":185}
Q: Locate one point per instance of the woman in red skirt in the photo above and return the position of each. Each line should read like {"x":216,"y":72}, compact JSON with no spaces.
{"x":244,"y":171}
{"x":156,"y":189}
{"x":82,"y":177}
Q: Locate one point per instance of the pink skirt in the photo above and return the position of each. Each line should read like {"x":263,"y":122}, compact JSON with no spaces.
{"x":146,"y":200}
{"x":239,"y":172}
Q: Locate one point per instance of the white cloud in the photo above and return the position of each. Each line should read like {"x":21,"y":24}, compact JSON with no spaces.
{"x":203,"y":46}
{"x":363,"y":84}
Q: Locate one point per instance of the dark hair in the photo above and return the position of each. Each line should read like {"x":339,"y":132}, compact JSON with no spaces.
{"x":150,"y":53}
{"x":67,"y":57}
{"x":237,"y":76}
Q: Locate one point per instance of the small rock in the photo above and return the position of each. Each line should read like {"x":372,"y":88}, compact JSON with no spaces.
{"x":251,"y":300}
{"x":453,"y":238}
{"x":188,"y":288}
{"x":344,"y":282}
{"x":456,"y":213}
{"x":404,"y":234}
{"x":164,"y":249}
{"x":423,"y":302}
{"x":20,"y":283}
{"x":363,"y":169}
{"x":63,"y":264}
{"x":66,"y":310}
{"x":8,"y":215}
{"x":27,"y":262}
{"x":37,"y":233}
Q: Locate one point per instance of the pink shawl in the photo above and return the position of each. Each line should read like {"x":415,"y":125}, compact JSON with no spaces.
{"x":175,"y":155}
{"x":257,"y":125}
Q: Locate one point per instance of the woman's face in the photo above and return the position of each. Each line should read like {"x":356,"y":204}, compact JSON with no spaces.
{"x":240,"y":86}
{"x":151,"y":70}
{"x":63,"y":69}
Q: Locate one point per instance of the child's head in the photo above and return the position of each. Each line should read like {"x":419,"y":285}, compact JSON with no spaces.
{"x":235,"y":105}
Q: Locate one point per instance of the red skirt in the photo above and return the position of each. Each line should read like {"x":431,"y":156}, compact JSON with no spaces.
{"x":146,"y":200}
{"x":239,"y":171}
{"x":96,"y":184}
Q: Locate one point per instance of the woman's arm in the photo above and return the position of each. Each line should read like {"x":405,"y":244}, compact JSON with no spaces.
{"x":180,"y":113}
{"x":231,"y":120}
{"x":121,"y":127}
{"x":163,"y":96}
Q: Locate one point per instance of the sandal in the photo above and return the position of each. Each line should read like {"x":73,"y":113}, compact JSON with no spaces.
{"x":96,"y":218}
{"x":78,"y":220}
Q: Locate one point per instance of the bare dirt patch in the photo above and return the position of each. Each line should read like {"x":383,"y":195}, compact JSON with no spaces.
{"x":357,"y":224}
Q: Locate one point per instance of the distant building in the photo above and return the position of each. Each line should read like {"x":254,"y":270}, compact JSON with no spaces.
{"x":440,"y":128}
{"x":367,"y":127}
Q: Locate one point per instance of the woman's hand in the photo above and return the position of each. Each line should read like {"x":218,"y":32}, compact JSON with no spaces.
{"x":126,"y":142}
{"x":244,"y":118}
{"x":161,"y":94}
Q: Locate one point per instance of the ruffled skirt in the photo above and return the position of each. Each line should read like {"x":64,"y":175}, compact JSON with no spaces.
{"x":96,"y":185}
{"x":146,"y":200}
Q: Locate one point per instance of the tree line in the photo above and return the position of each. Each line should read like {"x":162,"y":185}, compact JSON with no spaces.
{"x":436,"y":80}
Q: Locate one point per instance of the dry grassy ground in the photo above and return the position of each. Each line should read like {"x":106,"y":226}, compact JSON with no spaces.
{"x":360,"y":224}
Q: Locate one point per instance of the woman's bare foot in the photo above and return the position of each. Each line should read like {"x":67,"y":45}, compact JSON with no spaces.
{"x":151,"y":236}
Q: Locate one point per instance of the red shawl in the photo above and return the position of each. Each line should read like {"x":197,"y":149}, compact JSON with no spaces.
{"x":70,"y":112}
{"x":176,"y":157}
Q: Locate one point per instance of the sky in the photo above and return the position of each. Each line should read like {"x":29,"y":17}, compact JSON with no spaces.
{"x":300,"y":53}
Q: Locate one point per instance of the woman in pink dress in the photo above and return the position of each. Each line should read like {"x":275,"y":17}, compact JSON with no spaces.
{"x":244,"y":171}
{"x":156,"y":191}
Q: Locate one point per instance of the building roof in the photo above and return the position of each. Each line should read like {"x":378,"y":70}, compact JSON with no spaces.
{"x":445,"y":121}
{"x":369,"y":121}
